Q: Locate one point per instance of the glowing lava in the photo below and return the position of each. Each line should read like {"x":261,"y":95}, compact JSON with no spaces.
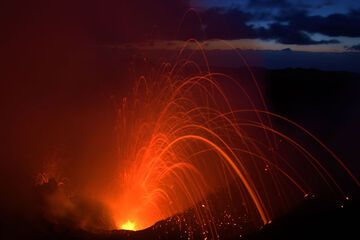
{"x":129,"y":225}
{"x":181,"y":139}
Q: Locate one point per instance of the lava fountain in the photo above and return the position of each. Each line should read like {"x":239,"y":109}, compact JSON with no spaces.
{"x":182,"y":138}
{"x":185,"y":134}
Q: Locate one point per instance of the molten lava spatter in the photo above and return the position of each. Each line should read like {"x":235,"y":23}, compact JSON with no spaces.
{"x":181,"y":139}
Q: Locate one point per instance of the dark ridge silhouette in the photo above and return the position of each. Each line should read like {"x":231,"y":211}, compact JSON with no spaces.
{"x":315,"y":219}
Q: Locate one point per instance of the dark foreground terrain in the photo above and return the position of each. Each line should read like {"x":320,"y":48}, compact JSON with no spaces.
{"x":313,"y":219}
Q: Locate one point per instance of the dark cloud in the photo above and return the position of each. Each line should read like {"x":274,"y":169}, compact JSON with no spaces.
{"x":271,"y":5}
{"x":301,"y":38}
{"x":229,"y":24}
{"x":289,"y":14}
{"x":234,"y":24}
{"x":289,"y":26}
{"x":333,"y":25}
{"x":354,"y":47}
{"x":326,"y":3}
{"x":268,"y":3}
{"x":287,"y":35}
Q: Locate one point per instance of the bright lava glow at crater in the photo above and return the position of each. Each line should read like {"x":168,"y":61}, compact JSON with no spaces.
{"x":129,"y":225}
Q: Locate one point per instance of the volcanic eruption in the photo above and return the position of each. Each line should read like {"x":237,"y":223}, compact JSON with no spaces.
{"x":186,"y":133}
{"x":116,"y":124}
